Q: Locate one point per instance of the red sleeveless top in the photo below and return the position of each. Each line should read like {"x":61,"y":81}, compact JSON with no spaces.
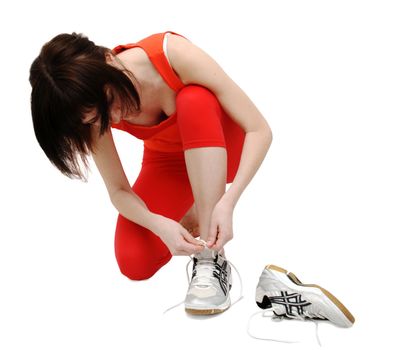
{"x":164,"y":136}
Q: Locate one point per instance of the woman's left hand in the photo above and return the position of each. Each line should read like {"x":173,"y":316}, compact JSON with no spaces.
{"x":220,"y":231}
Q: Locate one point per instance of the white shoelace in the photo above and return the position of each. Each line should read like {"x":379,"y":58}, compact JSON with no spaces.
{"x":209,"y":270}
{"x":274,"y":317}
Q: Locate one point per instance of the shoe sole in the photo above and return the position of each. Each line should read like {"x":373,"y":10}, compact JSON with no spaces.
{"x":292,"y":277}
{"x":205,"y":312}
{"x":223,"y":307}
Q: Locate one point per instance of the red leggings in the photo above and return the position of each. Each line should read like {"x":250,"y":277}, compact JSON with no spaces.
{"x":163,"y":182}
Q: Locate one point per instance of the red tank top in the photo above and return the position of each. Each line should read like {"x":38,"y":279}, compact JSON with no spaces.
{"x":165,"y":135}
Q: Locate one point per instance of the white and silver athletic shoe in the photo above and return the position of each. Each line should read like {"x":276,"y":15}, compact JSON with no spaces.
{"x":283,"y":292}
{"x":211,"y":281}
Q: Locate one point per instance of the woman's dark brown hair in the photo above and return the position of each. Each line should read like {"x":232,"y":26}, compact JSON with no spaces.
{"x":70,"y":77}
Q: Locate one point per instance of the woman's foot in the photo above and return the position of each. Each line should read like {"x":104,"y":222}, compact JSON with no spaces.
{"x":208,"y":292}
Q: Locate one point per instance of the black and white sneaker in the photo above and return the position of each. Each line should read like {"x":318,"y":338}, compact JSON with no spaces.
{"x":283,"y":292}
{"x":211,"y":281}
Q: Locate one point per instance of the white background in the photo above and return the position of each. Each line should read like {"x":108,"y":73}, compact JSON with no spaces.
{"x":320,"y":205}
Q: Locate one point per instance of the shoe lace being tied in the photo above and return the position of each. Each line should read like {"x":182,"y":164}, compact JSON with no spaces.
{"x":276,"y":317}
{"x":205,"y":269}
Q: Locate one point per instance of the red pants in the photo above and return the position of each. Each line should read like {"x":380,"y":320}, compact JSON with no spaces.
{"x":163,"y":182}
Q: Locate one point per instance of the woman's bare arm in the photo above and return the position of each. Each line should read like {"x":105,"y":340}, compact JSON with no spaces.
{"x":125,"y":200}
{"x":132,"y":207}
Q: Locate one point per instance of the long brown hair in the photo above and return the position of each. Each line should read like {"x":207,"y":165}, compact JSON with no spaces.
{"x":69,"y":77}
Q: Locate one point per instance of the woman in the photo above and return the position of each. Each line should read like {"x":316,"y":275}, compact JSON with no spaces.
{"x":200,"y":131}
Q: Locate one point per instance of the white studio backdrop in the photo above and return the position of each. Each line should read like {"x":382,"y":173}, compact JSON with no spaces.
{"x":320,"y":206}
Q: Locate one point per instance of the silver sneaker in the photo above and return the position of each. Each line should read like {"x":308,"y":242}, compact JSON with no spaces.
{"x":283,"y":292}
{"x":211,"y":281}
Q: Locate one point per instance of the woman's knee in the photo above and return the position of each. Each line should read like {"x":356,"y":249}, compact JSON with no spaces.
{"x":199,"y":117}
{"x":137,"y":268}
{"x":139,"y":252}
{"x":193,"y":93}
{"x":196,"y":99}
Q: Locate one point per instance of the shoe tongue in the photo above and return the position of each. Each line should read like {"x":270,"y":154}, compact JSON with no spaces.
{"x":206,"y":254}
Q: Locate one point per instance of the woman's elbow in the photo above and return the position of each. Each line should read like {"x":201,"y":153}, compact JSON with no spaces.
{"x":269,"y":135}
{"x":266,"y":132}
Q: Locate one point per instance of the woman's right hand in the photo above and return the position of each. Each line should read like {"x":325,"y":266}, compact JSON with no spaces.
{"x":178,"y":240}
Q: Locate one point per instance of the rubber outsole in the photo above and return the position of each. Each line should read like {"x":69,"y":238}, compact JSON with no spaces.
{"x":205,"y":312}
{"x":295,"y":280}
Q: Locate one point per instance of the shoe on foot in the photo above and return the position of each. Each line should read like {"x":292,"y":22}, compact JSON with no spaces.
{"x":288,"y":297}
{"x":211,"y":281}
